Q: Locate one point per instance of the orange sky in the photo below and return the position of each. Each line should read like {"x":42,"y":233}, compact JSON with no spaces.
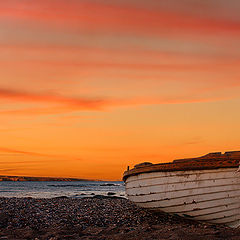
{"x":88,"y":87}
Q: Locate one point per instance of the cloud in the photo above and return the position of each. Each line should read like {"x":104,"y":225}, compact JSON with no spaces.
{"x":96,"y":16}
{"x":10,"y":150}
{"x":6,"y":170}
{"x":45,"y":156}
{"x":195,"y":140}
{"x":78,"y":102}
{"x":66,"y":104}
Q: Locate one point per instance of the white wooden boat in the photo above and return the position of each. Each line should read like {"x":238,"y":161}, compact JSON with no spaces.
{"x":205,"y":188}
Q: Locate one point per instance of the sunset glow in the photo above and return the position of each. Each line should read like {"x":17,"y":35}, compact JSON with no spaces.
{"x":88,"y":87}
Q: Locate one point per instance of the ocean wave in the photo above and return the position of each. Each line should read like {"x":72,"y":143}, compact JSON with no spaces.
{"x":86,"y":185}
{"x":72,"y":185}
{"x":110,"y":184}
{"x":7,"y":191}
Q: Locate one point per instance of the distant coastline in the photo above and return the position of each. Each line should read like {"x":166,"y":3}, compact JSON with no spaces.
{"x":38,"y":179}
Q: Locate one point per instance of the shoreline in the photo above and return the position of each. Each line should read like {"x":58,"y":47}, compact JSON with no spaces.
{"x":98,"y":217}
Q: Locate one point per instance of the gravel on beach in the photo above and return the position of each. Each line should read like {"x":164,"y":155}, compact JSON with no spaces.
{"x":98,"y":218}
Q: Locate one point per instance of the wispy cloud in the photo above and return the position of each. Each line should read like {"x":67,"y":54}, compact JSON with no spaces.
{"x":10,"y":150}
{"x":44,"y":156}
{"x":7,"y":170}
{"x":115,"y":17}
{"x":68,"y":104}
{"x":81,"y":103}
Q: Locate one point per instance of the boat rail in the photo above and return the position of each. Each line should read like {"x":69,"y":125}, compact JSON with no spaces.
{"x":209,"y":161}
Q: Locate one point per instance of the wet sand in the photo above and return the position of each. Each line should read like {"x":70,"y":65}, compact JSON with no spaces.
{"x":98,"y":218}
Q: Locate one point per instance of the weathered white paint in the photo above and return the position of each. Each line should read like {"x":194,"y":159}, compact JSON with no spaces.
{"x":208,"y":195}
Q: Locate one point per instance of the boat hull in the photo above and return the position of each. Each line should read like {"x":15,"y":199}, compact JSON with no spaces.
{"x":211,"y":195}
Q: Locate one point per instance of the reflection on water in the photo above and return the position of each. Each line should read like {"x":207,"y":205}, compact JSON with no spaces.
{"x":76,"y":189}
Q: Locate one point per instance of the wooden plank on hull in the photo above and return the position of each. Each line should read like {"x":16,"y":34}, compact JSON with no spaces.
{"x":178,"y":188}
{"x":184,"y":192}
{"x":186,"y":174}
{"x":167,"y":199}
{"x":160,"y":182}
{"x":192,"y":207}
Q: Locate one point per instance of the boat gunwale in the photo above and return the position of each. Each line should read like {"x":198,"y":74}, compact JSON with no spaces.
{"x":186,"y":165}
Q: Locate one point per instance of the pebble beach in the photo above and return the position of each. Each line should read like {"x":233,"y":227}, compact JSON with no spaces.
{"x":98,"y":218}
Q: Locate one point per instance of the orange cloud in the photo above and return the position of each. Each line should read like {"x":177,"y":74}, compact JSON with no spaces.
{"x":7,"y":170}
{"x":76,"y":104}
{"x":109,"y":16}
{"x":80,"y":103}
{"x":44,"y":156}
{"x":9,"y":150}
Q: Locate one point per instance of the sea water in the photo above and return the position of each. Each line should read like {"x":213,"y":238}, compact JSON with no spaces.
{"x":76,"y":189}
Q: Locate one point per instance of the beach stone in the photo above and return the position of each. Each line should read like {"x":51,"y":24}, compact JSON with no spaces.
{"x":108,"y":184}
{"x":111,"y":193}
{"x":4,"y":219}
{"x":61,"y":197}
